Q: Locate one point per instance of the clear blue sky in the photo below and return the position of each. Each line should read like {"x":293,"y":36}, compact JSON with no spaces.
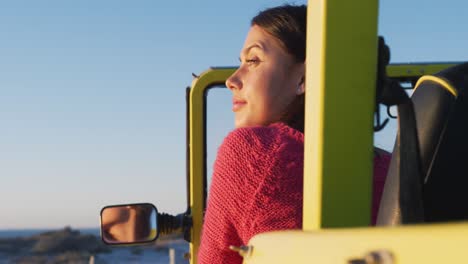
{"x":92,"y":95}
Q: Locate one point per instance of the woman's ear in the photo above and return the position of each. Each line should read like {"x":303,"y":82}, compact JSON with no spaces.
{"x":301,"y":86}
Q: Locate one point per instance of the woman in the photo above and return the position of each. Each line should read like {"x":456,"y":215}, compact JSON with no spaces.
{"x":257,"y":180}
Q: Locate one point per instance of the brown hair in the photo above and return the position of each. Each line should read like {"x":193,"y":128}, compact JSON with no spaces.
{"x":287,"y":23}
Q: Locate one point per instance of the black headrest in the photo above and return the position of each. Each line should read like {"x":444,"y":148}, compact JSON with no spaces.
{"x":441,"y":112}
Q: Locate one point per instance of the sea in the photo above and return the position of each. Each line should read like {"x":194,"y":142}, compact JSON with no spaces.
{"x":12,"y":233}
{"x":128,"y":254}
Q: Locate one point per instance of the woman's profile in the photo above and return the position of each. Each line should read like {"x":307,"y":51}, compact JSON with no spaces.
{"x":257,"y":181}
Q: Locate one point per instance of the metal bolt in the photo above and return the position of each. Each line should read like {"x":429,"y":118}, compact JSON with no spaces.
{"x":244,"y":251}
{"x":374,"y":257}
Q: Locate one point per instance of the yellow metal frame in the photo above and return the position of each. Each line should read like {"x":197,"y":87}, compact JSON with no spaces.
{"x":340,"y":96}
{"x":197,"y":146}
{"x":409,"y":70}
{"x":411,"y":244}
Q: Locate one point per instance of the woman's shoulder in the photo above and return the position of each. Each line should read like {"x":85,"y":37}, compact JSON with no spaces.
{"x":254,"y":150}
{"x":254,"y":156}
{"x":262,"y":137}
{"x":382,"y":159}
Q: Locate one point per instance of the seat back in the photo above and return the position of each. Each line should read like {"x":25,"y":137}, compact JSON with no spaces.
{"x":441,"y":112}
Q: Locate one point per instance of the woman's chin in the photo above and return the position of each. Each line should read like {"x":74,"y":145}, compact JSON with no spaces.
{"x":239,"y":123}
{"x":246,"y":123}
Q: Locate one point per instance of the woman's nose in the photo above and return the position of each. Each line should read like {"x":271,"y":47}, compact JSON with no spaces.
{"x":233,"y":82}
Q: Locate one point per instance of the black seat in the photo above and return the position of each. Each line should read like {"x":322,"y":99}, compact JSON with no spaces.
{"x":441,"y":112}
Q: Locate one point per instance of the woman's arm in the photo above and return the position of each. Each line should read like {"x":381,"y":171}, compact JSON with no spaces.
{"x":220,"y":227}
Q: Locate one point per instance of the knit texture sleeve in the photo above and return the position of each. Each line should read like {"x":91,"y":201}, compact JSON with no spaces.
{"x":381,"y":164}
{"x":220,"y":229}
{"x":276,"y":203}
{"x":256,"y":187}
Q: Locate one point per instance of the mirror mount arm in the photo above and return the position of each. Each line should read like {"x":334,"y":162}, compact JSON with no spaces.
{"x":169,"y":224}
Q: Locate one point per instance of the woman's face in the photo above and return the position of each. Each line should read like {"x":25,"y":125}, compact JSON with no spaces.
{"x":266,"y":82}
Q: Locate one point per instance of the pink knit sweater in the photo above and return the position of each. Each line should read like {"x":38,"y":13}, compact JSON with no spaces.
{"x":257,"y":187}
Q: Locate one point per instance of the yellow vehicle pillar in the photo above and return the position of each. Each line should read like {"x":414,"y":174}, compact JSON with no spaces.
{"x":197,"y":150}
{"x":341,"y":73}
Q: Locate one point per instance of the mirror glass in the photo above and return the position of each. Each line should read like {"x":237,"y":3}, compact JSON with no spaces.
{"x":131,"y":223}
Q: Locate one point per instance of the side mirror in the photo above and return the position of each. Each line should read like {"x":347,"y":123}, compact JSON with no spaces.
{"x":131,"y":223}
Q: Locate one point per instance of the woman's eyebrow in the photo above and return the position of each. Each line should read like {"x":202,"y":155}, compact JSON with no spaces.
{"x":253,"y":46}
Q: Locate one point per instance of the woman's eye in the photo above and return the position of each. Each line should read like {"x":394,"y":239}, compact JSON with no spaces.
{"x":252,"y":61}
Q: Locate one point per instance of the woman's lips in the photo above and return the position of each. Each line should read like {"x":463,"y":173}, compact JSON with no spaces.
{"x":237,"y":104}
